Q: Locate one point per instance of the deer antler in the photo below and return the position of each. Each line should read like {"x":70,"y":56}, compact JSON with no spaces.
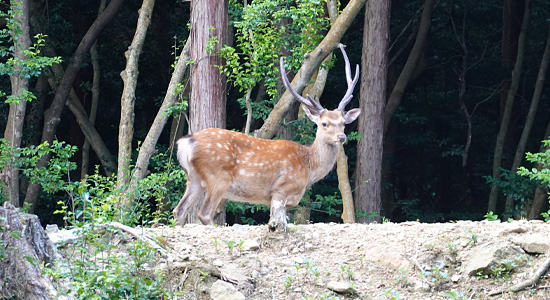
{"x":351,"y":83}
{"x":309,"y":102}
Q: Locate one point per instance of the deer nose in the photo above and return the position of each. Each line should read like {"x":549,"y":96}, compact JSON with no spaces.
{"x":341,"y":138}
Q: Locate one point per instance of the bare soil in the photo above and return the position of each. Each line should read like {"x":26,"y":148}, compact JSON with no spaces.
{"x":379,"y":261}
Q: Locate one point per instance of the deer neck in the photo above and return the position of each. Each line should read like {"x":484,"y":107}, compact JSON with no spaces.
{"x":322,"y":158}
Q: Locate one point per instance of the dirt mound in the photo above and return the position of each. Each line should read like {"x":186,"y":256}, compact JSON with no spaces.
{"x":377,"y":261}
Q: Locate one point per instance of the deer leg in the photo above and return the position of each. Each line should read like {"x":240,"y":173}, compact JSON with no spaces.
{"x":277,"y":214}
{"x":192,"y":193}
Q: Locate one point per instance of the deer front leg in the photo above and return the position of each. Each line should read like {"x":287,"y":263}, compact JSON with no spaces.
{"x":277,"y":215}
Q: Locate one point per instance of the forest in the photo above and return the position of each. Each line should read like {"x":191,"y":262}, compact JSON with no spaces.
{"x":453,"y":96}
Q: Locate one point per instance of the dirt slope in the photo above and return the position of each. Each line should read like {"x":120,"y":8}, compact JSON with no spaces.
{"x":379,"y":261}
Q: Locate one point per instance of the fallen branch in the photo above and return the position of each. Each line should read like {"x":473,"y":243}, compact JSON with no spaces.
{"x":139,"y":234}
{"x":527,"y":283}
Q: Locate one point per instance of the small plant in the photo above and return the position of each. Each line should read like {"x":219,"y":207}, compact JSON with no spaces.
{"x":288,"y":282}
{"x":390,"y":294}
{"x":345,"y":272}
{"x":437,"y":275}
{"x":452,"y":249}
{"x":454,"y":295}
{"x":490,"y":216}
{"x":472,"y":238}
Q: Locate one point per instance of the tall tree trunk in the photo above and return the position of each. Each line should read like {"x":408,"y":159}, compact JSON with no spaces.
{"x":52,"y":115}
{"x":95,"y":98}
{"x":208,"y":86}
{"x":507,"y":113}
{"x":410,"y":65}
{"x":311,"y":63}
{"x":19,"y":84}
{"x":128,"y":99}
{"x":368,"y":182}
{"x":540,"y":200}
{"x":147,"y":149}
{"x":520,"y":151}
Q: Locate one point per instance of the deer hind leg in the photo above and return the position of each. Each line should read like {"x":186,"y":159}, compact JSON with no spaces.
{"x":213,"y":202}
{"x":192,"y":193}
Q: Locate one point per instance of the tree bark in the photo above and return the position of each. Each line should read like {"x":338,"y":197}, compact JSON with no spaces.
{"x":52,"y":115}
{"x":208,"y":85}
{"x":539,"y":86}
{"x":368,"y":182}
{"x":26,"y":247}
{"x":410,"y":65}
{"x":311,"y":63}
{"x":128,"y":99}
{"x":507,"y":113}
{"x":19,"y":84}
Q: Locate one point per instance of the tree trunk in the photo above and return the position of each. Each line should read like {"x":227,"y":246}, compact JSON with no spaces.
{"x":368,"y":182}
{"x":95,"y":98}
{"x":25,"y":246}
{"x":52,"y":115}
{"x":507,"y":113}
{"x":311,"y":63}
{"x":410,"y":65}
{"x":128,"y":99}
{"x":148,"y":147}
{"x":540,"y":200}
{"x":19,"y":84}
{"x":85,"y":123}
{"x":208,"y":86}
{"x":520,"y":151}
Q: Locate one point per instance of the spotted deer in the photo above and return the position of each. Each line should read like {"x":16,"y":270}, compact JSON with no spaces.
{"x":228,"y":165}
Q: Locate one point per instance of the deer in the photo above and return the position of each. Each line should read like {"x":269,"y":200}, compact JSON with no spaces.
{"x":227,"y":165}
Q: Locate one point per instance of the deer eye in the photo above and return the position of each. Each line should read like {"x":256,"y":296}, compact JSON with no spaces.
{"x":324,"y":124}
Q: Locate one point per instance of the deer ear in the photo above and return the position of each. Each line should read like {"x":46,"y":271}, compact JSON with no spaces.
{"x":351,"y":115}
{"x":313,"y":115}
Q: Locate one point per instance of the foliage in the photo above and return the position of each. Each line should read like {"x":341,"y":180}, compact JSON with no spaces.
{"x":31,"y":64}
{"x":262,"y":31}
{"x":98,"y":271}
{"x":516,"y":187}
{"x":542,"y":175}
{"x":490,"y":216}
{"x":51,"y":177}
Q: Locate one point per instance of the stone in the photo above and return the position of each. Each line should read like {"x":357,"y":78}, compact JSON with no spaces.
{"x":250,"y":245}
{"x":535,"y":243}
{"x":489,"y":255}
{"x":341,"y":287}
{"x":222,"y":290}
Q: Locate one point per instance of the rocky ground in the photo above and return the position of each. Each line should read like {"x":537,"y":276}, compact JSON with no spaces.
{"x":462,"y":260}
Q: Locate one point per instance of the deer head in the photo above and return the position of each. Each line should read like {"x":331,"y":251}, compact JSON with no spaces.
{"x":330,"y":124}
{"x":227,"y":165}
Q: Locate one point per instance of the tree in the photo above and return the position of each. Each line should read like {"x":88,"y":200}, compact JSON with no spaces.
{"x":208,"y":88}
{"x":18,"y":24}
{"x":24,"y":63}
{"x":53,"y":113}
{"x":130,"y":75}
{"x":368,"y":183}
{"x":507,"y":111}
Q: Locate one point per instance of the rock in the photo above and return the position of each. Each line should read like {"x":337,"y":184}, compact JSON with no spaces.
{"x":222,"y":290}
{"x":341,"y":287}
{"x":533,"y":243}
{"x":250,"y":245}
{"x":486,"y":256}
